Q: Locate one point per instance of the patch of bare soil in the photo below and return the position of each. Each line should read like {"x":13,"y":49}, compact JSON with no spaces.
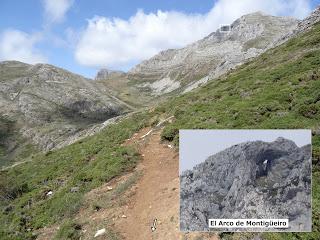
{"x":47,"y":233}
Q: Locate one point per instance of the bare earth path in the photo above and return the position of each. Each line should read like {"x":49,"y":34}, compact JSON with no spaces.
{"x":130,"y":214}
{"x":156,"y":194}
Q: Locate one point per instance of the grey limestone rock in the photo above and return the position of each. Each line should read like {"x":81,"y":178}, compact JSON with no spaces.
{"x":105,"y":74}
{"x":309,"y":21}
{"x":249,"y":36}
{"x":175,"y":71}
{"x":249,"y":180}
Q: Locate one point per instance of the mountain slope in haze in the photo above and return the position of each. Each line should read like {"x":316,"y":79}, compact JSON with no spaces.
{"x":44,"y":105}
{"x":278,"y":89}
{"x":177,"y":70}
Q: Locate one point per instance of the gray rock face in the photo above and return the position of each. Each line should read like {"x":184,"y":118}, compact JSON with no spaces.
{"x":303,"y":26}
{"x":214,"y":55}
{"x":249,"y":180}
{"x":50,"y":104}
{"x":309,"y":21}
{"x":105,"y":74}
{"x":175,"y":71}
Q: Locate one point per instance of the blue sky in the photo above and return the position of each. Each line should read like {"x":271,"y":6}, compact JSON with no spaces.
{"x":84,"y":36}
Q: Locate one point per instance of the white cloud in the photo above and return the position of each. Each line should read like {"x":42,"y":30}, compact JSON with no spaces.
{"x":114,"y":42}
{"x":55,"y":10}
{"x":20,"y":46}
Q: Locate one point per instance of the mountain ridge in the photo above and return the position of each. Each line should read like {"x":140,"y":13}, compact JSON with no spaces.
{"x":47,"y":105}
{"x":174,"y":71}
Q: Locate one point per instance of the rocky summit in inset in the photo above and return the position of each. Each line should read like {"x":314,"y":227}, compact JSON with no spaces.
{"x":257,"y":180}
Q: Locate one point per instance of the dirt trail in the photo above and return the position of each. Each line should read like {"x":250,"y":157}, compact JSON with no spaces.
{"x":156,"y":194}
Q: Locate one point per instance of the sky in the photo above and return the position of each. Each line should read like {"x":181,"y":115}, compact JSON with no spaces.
{"x":197,"y":145}
{"x":84,"y":36}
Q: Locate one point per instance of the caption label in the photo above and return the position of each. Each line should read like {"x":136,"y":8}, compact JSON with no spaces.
{"x":248,"y":223}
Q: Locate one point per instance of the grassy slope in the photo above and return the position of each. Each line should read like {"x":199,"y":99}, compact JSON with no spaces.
{"x":85,"y":164}
{"x":280,"y":89}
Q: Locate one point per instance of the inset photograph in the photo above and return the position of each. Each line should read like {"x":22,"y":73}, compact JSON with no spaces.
{"x":257,"y":177}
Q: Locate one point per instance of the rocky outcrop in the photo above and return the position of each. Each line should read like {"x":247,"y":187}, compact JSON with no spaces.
{"x":176,"y":71}
{"x":303,"y":26}
{"x":249,"y":180}
{"x":105,"y":74}
{"x":49,"y":104}
{"x":214,"y":55}
{"x":309,"y":21}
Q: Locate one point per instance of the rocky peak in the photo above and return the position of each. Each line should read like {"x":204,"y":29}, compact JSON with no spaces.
{"x":208,"y":58}
{"x":52,"y":104}
{"x":13,"y":63}
{"x":106,"y":73}
{"x":176,"y":71}
{"x":309,"y":21}
{"x":286,"y":144}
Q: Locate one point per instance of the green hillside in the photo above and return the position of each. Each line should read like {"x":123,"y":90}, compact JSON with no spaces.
{"x":279,"y":89}
{"x":85,"y":164}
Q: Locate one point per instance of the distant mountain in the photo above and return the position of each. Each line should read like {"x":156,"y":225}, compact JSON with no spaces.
{"x":46,"y":105}
{"x":180,"y":70}
{"x":105,"y":73}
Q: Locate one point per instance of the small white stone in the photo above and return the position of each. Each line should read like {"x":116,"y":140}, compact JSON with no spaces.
{"x":124,"y":216}
{"x":100,"y":232}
